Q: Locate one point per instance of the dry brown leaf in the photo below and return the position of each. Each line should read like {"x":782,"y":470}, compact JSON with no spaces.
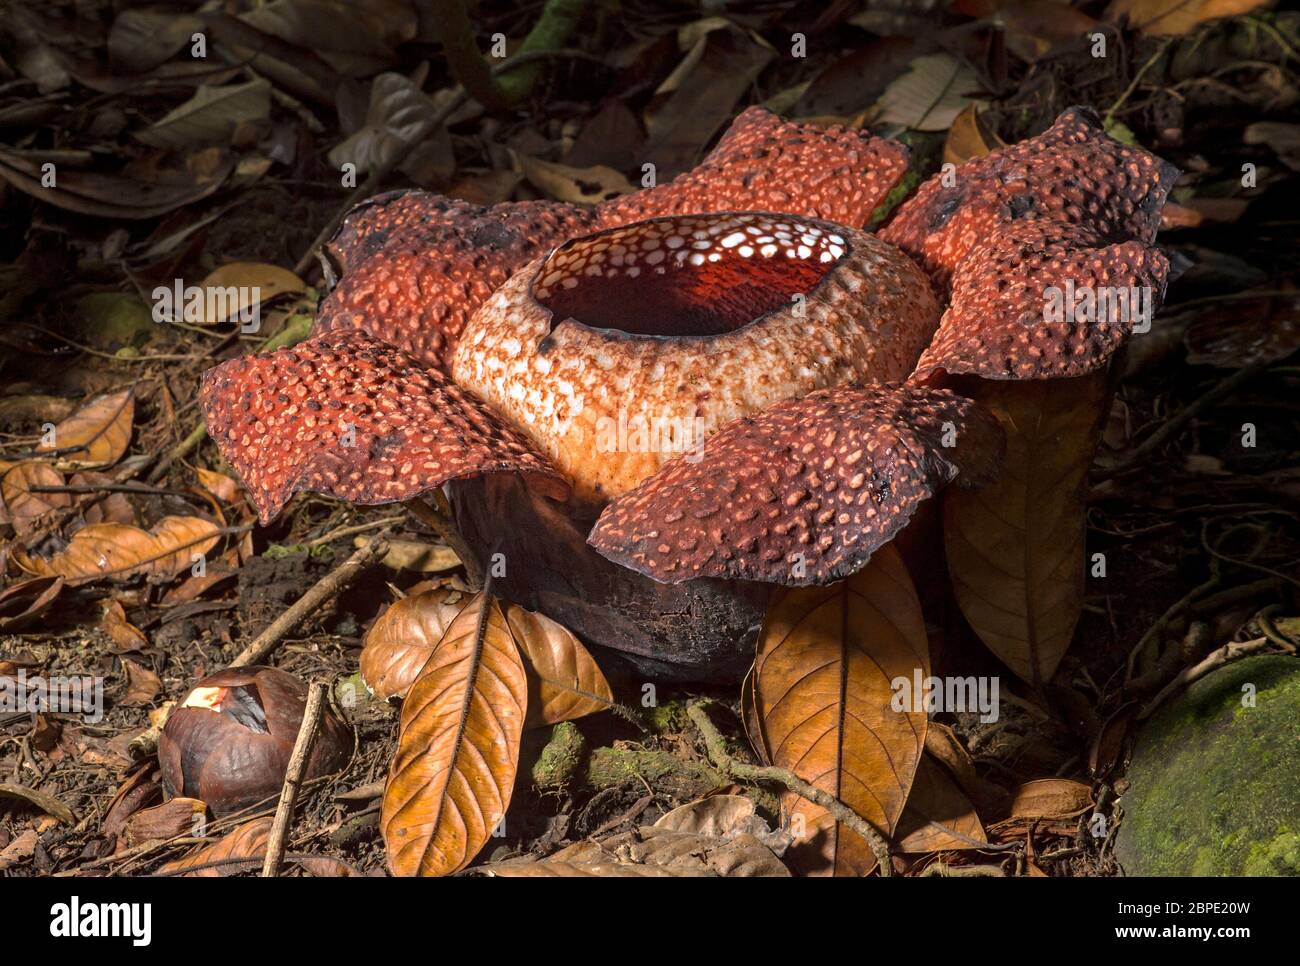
{"x":969,"y":137}
{"x":23,"y":508}
{"x":457,"y":748}
{"x":247,"y":841}
{"x":399,"y":643}
{"x":180,"y":816}
{"x":579,"y":185}
{"x":1015,"y":547}
{"x":717,"y":815}
{"x":115,"y":551}
{"x":573,"y":870}
{"x":25,"y":600}
{"x":1170,"y":17}
{"x":142,"y":684}
{"x":1051,"y":798}
{"x":98,"y":433}
{"x":219,"y":485}
{"x":827,"y":657}
{"x":938,"y":816}
{"x":1036,"y":28}
{"x":416,"y":556}
{"x":565,"y":680}
{"x":740,"y":855}
{"x":238,"y":288}
{"x":125,"y":635}
{"x":45,"y":802}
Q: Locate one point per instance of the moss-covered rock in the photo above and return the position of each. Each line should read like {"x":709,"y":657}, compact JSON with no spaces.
{"x":1215,"y":779}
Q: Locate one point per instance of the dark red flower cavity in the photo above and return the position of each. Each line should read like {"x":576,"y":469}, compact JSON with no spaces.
{"x":804,"y":491}
{"x":1071,"y":174}
{"x":692,"y":275}
{"x":348,"y":415}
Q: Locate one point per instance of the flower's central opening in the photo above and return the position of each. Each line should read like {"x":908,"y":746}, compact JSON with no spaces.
{"x":687,"y":275}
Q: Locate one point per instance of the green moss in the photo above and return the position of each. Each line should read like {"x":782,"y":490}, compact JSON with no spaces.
{"x":1215,"y":784}
{"x":613,"y":767}
{"x":561,"y":757}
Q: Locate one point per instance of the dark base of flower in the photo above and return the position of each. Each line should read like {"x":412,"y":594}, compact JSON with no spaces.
{"x":703,"y":630}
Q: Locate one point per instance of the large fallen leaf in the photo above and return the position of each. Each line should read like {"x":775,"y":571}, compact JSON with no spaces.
{"x":1165,"y":17}
{"x":116,"y":551}
{"x":23,"y":509}
{"x":1016,"y":547}
{"x":140,"y":40}
{"x":210,"y":116}
{"x":565,"y":680}
{"x":177,"y":817}
{"x":457,"y":748}
{"x":930,"y":95}
{"x":111,"y":195}
{"x":399,"y":643}
{"x":938,"y":816}
{"x":827,"y":659}
{"x":98,"y":433}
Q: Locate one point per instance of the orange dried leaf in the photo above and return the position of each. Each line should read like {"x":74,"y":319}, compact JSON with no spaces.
{"x":827,"y":657}
{"x":457,"y":748}
{"x":115,"y":551}
{"x":98,"y":433}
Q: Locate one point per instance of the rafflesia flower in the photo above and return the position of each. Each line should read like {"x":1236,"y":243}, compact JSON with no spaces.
{"x":658,"y":408}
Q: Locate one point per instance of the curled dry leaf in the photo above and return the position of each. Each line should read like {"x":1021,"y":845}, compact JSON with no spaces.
{"x":142,"y":684}
{"x":218,"y":484}
{"x":246,"y":842}
{"x":579,"y":185}
{"x":565,"y":680}
{"x":24,"y":508}
{"x":1173,"y":17}
{"x":667,"y":850}
{"x":969,"y":137}
{"x":24,"y":601}
{"x":1016,"y":547}
{"x":234,"y":291}
{"x":180,"y":816}
{"x":457,"y":748}
{"x":938,"y":815}
{"x":115,"y":551}
{"x":125,"y":635}
{"x":97,"y":434}
{"x":1051,"y":798}
{"x":399,"y":643}
{"x":827,"y":658}
{"x":45,"y":802}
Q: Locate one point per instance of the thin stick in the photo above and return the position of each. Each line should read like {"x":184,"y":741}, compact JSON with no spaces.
{"x":293,"y":779}
{"x":328,"y":587}
{"x":728,"y":765}
{"x":1216,"y":659}
{"x":1174,"y":426}
{"x":438,"y":518}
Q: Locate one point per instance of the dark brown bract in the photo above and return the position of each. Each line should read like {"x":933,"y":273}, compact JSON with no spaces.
{"x":229,"y":742}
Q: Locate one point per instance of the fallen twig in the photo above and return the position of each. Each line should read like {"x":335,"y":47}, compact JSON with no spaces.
{"x":1216,"y":659}
{"x":302,"y":746}
{"x":724,"y":762}
{"x":329,"y":586}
